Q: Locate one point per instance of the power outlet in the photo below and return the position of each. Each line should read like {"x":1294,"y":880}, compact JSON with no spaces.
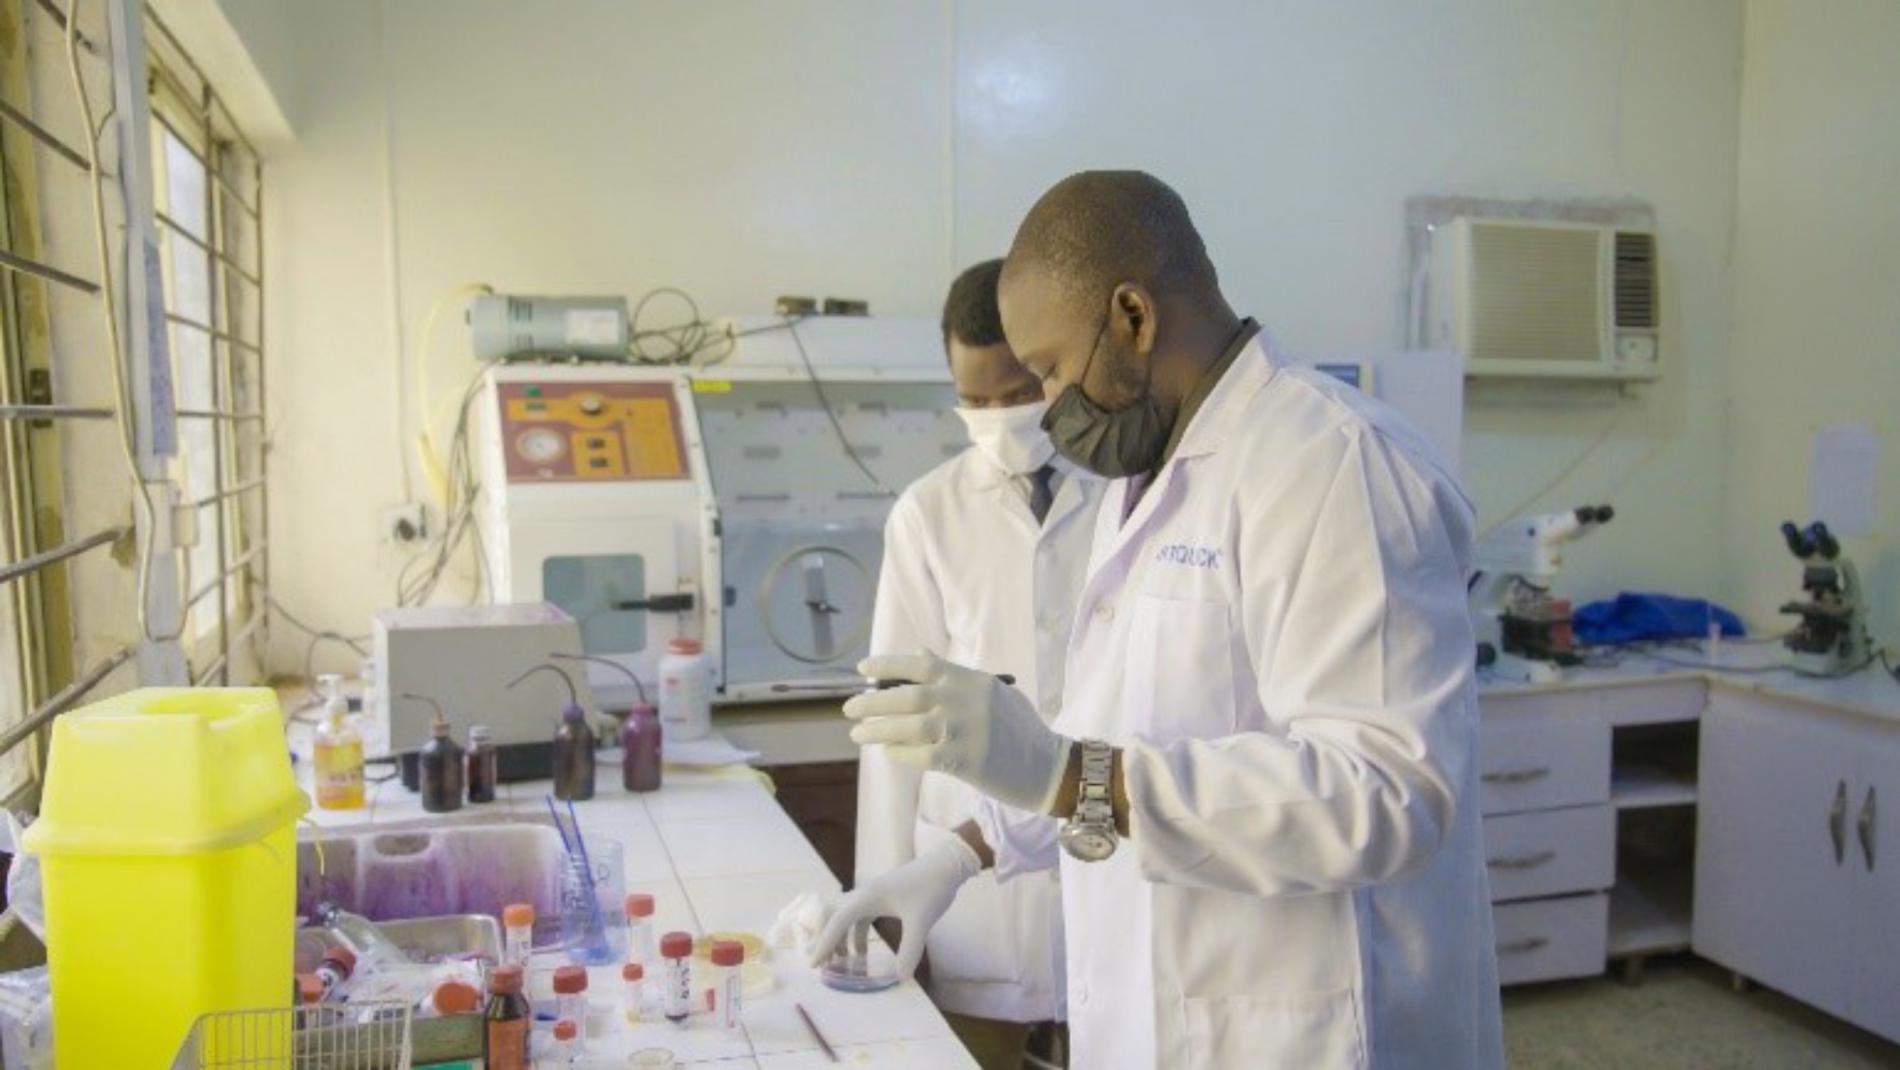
{"x":406,"y":524}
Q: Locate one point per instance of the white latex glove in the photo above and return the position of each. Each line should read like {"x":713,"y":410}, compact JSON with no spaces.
{"x":916,"y":893}
{"x":962,"y":722}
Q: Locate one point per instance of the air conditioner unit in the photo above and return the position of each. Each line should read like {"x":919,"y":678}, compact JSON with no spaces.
{"x":1537,"y":299}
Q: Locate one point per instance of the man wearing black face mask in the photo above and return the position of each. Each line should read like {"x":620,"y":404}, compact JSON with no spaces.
{"x":1262,"y":787}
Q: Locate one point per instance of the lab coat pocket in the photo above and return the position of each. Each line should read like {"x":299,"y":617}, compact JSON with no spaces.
{"x":1299,"y":1030}
{"x":1180,"y":682}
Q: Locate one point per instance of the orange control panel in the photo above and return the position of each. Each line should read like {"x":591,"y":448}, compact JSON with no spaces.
{"x":591,"y":432}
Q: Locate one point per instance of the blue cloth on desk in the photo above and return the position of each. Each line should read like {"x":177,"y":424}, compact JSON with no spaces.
{"x":1636,"y":616}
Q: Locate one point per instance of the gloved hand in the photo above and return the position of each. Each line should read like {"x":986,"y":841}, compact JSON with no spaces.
{"x":916,"y":893}
{"x":962,"y":722}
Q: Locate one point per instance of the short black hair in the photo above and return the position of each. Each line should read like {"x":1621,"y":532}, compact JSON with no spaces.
{"x":1095,"y":230}
{"x":969,"y":313}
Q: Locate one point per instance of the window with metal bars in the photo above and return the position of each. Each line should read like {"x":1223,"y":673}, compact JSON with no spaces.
{"x":208,"y":186}
{"x":132,"y":437}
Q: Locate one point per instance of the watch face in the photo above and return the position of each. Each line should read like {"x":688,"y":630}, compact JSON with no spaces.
{"x":1087,"y":842}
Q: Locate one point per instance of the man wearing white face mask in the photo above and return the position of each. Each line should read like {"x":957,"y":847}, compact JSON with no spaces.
{"x":983,"y":563}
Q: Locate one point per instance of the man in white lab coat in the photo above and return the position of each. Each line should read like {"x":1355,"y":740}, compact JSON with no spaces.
{"x":1262,"y":787}
{"x":983,"y":562}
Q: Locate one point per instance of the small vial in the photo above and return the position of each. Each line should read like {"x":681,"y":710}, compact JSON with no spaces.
{"x":633,"y":992}
{"x":676,"y":949}
{"x":640,"y":929}
{"x":566,"y":1042}
{"x":518,"y":921}
{"x":570,"y":995}
{"x":309,"y":989}
{"x":727,"y":982}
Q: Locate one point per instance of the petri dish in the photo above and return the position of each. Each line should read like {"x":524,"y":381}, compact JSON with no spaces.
{"x":652,"y":1059}
{"x":839,"y":976}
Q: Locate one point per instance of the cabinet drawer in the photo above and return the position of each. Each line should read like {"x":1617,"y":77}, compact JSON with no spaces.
{"x":1530,"y":761}
{"x":1551,"y":852}
{"x":1547,"y":939}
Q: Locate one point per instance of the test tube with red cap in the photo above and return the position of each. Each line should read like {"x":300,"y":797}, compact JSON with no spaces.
{"x":727,"y":982}
{"x":517,"y":920}
{"x":570,"y":995}
{"x":639,"y":907}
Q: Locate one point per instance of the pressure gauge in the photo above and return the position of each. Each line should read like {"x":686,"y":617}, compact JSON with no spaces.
{"x":1636,"y":347}
{"x":541,"y":446}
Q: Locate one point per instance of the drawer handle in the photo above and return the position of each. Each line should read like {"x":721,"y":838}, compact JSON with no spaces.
{"x":1529,"y":861}
{"x":1523,"y":947}
{"x":1837,"y":822}
{"x":1864,"y":825}
{"x":1517,"y":776}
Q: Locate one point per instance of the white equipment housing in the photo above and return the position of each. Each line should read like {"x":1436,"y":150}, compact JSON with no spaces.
{"x":608,"y":486}
{"x":1546,"y":300}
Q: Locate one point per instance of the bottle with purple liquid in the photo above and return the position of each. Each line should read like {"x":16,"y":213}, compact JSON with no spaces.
{"x":640,"y":748}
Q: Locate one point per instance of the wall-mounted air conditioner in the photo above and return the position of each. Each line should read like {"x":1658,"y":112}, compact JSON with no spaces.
{"x":1537,"y":299}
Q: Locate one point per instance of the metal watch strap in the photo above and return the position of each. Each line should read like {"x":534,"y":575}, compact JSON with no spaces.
{"x":1094,"y":803}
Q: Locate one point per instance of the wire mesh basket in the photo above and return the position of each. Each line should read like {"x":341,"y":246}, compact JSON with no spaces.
{"x":323,"y":1036}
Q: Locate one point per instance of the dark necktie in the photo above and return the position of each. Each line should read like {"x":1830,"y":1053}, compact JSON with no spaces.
{"x":1041,"y":495}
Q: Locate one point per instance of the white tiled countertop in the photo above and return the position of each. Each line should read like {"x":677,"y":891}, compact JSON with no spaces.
{"x":718,"y":855}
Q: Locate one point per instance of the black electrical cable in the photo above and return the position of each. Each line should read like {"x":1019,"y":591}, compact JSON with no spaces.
{"x":825,"y":402}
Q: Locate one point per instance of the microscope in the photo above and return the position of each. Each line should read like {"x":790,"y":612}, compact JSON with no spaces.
{"x":1832,"y":636}
{"x":1524,"y":633}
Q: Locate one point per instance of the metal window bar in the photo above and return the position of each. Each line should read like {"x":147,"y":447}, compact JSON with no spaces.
{"x":217,"y":414}
{"x":9,"y":573}
{"x":222,"y":662}
{"x":59,"y":20}
{"x":231,"y":491}
{"x":211,"y":94}
{"x":224,"y":262}
{"x":43,"y":136}
{"x":46,"y":271}
{"x":218,"y":181}
{"x":199,"y":325}
{"x":54,"y":412}
{"x":214,"y":583}
{"x":63,"y":699}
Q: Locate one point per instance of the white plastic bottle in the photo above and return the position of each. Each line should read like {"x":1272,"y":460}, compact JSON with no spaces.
{"x":685,"y":691}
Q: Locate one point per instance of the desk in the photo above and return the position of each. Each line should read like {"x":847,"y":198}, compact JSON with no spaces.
{"x":719,"y":854}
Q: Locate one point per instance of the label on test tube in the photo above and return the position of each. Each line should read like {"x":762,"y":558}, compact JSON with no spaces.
{"x":677,"y":951}
{"x":728,"y":984}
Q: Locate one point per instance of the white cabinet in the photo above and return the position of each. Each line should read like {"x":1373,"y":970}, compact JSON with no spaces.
{"x":1788,"y":891}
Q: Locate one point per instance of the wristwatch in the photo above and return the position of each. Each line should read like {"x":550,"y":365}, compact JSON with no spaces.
{"x":1089,"y":834}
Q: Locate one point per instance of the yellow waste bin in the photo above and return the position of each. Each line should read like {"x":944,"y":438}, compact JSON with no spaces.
{"x":167,"y":839}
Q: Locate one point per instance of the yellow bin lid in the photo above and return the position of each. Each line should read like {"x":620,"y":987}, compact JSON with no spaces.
{"x":167,"y":771}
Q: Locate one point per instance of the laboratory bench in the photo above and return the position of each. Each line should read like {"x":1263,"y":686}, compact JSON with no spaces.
{"x":1656,"y":805}
{"x":718,"y":854}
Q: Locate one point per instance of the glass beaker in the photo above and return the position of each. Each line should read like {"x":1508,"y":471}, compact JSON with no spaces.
{"x":593,"y":894}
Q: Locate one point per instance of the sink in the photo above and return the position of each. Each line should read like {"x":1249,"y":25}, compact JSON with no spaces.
{"x":428,"y":870}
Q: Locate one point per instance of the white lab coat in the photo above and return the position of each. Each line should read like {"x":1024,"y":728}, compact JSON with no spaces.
{"x":1278,"y":636}
{"x":970,"y":576}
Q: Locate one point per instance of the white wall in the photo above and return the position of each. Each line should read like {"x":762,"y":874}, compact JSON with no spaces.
{"x":1817,"y":256}
{"x":742,"y":150}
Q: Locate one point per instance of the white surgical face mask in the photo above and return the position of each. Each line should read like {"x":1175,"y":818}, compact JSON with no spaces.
{"x":1012,"y":437}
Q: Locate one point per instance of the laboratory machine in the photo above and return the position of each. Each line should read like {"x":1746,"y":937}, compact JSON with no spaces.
{"x":1832,"y":637}
{"x":461,"y":659}
{"x":1523,"y":631}
{"x":738,"y":499}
